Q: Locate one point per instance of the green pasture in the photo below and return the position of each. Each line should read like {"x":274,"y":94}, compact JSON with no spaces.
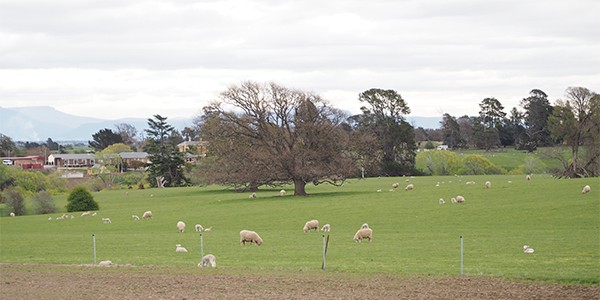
{"x":413,"y":233}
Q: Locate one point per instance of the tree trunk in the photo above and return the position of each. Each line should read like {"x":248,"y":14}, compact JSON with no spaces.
{"x":299,"y":187}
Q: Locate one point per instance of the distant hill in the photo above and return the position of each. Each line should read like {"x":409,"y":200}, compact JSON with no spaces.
{"x":38,"y":123}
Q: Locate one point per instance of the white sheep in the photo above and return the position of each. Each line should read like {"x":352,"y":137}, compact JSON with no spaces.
{"x":135,"y":217}
{"x":470,"y":182}
{"x":49,"y":218}
{"x":181,"y":226}
{"x":94,"y":214}
{"x":586,"y":189}
{"x":147,"y":215}
{"x":395,"y":185}
{"x":442,"y":201}
{"x":453,"y":200}
{"x":363,"y":226}
{"x":312,"y":224}
{"x":199,"y":227}
{"x":527,"y":249}
{"x":12,"y":214}
{"x":209,"y":229}
{"x":251,"y":237}
{"x":379,"y":190}
{"x":180,"y":249}
{"x":106,"y":220}
{"x":528,"y":177}
{"x":282,"y":193}
{"x":409,"y":187}
{"x":460,"y":199}
{"x":253,"y":195}
{"x":105,"y":263}
{"x":488,"y":184}
{"x":208,"y":259}
{"x":363,"y":233}
{"x":326,"y":228}
{"x":86,"y":214}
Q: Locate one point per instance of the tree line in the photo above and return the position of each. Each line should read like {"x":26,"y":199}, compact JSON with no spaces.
{"x":265,"y":134}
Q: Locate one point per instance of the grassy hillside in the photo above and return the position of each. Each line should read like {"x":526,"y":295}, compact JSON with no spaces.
{"x":413,"y":234}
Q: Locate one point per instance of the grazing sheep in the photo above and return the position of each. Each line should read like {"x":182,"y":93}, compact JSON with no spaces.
{"x":181,"y":226}
{"x":363,"y":233}
{"x":253,"y":195}
{"x":199,"y":227}
{"x":488,"y":184}
{"x":379,"y":190}
{"x":135,"y":217}
{"x":460,"y":199}
{"x":312,"y":224}
{"x":363,"y":226}
{"x":106,"y":220}
{"x":442,"y":201}
{"x":94,"y":214}
{"x":470,"y":182}
{"x":395,"y":185}
{"x":409,"y":187}
{"x":147,"y":215}
{"x":250,"y":236}
{"x":12,"y":214}
{"x":208,"y":259}
{"x":86,"y":214}
{"x":453,"y":200}
{"x":282,"y":193}
{"x":527,"y":249}
{"x":105,"y":263}
{"x":528,"y":177}
{"x":586,"y":189}
{"x":49,"y":218}
{"x":326,"y":228}
{"x":207,"y":229}
{"x":180,"y":249}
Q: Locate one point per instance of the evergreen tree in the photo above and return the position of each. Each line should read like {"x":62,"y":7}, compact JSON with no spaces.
{"x":167,"y":164}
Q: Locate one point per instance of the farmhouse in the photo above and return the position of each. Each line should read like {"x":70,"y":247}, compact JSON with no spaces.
{"x":72,"y":160}
{"x":193,"y":149}
{"x":25,"y":163}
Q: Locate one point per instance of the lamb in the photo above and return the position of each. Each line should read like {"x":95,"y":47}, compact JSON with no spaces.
{"x":363,"y":226}
{"x":86,"y":214}
{"x":181,"y":226}
{"x":363,"y":233}
{"x":208,"y":229}
{"x":105,"y":263}
{"x":282,"y":193}
{"x":326,"y":228}
{"x":135,"y":217}
{"x":395,"y":185}
{"x":409,"y":187}
{"x":251,"y":237}
{"x":180,"y":249}
{"x":527,"y":249}
{"x":147,"y":215}
{"x":199,"y":227}
{"x":442,"y":201}
{"x":12,"y":214}
{"x":253,"y":195}
{"x":460,"y":199}
{"x":208,"y":259}
{"x":106,"y":220}
{"x":470,"y":182}
{"x":453,"y":200}
{"x":312,"y":224}
{"x":586,"y":189}
{"x":488,"y":184}
{"x":528,"y":177}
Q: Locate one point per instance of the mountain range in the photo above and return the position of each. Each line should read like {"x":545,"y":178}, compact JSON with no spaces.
{"x":38,"y":123}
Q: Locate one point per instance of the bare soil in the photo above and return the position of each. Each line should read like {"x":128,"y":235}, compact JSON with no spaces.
{"x":129,"y":282}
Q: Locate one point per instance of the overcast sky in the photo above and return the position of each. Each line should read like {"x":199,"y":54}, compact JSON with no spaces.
{"x":112,"y":59}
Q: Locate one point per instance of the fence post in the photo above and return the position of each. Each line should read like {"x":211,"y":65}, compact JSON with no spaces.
{"x":462,"y":261}
{"x":201,"y":247}
{"x":94,"y":241}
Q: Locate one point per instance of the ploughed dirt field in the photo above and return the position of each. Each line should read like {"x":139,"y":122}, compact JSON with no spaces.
{"x":129,"y":282}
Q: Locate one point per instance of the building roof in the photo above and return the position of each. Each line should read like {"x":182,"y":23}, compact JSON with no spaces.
{"x":73,"y":156}
{"x":133,"y":155}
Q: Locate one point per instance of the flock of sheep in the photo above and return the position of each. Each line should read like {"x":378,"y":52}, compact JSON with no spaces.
{"x":249,"y":236}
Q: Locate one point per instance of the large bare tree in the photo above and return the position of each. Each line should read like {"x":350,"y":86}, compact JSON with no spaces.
{"x":267,"y":134}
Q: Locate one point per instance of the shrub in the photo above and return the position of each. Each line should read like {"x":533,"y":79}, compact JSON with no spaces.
{"x":14,"y":201}
{"x":80,"y":199}
{"x":478,"y":165}
{"x":43,"y":203}
{"x":429,"y":145}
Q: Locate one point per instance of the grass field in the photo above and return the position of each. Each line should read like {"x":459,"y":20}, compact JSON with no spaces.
{"x":413,"y":234}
